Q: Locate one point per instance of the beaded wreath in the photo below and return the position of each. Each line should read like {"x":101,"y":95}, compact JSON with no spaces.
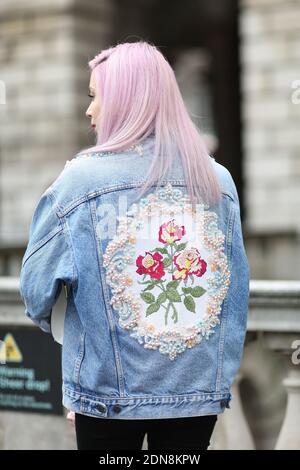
{"x":167,"y":271}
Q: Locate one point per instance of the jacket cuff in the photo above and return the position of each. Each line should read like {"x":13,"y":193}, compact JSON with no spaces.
{"x":43,"y":323}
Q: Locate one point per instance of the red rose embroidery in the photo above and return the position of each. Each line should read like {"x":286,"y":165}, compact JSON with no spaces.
{"x":151,"y":264}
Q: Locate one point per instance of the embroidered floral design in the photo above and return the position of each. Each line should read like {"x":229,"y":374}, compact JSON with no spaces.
{"x":186,"y":263}
{"x":168,"y":281}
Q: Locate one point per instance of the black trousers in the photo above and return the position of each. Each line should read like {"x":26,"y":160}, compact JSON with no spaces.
{"x":169,"y":433}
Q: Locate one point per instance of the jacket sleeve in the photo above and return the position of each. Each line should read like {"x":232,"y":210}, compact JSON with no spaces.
{"x":47,"y":262}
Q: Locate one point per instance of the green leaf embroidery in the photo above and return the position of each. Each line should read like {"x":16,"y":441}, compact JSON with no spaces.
{"x":152,"y":308}
{"x":172,"y":284}
{"x":167,"y":262}
{"x":189,"y":303}
{"x":150,"y":287}
{"x":151,"y":284}
{"x":197,"y":291}
{"x":148,"y":297}
{"x":181,"y":246}
{"x":173,"y":295}
{"x":186,"y":290}
{"x":161,"y":298}
{"x":161,"y":250}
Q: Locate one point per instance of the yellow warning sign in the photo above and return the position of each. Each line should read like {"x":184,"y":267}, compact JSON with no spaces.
{"x":11,"y":351}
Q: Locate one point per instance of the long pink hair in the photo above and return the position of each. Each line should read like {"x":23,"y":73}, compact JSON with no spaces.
{"x":139,"y":94}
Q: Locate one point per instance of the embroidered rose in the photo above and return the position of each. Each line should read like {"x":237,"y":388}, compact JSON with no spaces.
{"x":170,"y":232}
{"x":189,"y":262}
{"x":151,"y":264}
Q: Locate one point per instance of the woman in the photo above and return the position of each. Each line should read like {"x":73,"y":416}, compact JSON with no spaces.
{"x":144,"y":230}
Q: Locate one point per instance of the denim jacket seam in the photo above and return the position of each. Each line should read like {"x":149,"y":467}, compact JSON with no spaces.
{"x":79,"y":357}
{"x":42,"y":242}
{"x":185,"y":396}
{"x":63,"y":211}
{"x":65,"y":228}
{"x":229,"y":194}
{"x":223,"y":327}
{"x":109,"y":316}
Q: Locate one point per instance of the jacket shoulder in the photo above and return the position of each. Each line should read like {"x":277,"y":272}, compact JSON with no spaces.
{"x":226,"y":180}
{"x":84,"y":174}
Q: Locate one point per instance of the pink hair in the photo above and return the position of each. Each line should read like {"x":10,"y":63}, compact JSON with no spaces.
{"x":139,"y":94}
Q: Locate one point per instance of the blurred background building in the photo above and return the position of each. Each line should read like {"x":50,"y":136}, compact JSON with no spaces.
{"x":237,"y":65}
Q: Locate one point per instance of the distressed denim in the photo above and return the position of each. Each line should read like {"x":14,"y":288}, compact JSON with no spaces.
{"x":157,"y":291}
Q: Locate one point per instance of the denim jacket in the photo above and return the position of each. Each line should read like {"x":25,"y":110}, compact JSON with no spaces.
{"x":157,"y":292}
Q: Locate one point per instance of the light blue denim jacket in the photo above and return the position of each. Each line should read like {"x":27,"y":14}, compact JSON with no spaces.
{"x":157,"y":293}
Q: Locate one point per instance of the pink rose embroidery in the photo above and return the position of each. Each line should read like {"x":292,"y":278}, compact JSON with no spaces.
{"x":189,"y":262}
{"x":170,"y":232}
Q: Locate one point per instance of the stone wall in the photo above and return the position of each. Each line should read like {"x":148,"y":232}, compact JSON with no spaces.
{"x":44,"y":50}
{"x":270,"y":53}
